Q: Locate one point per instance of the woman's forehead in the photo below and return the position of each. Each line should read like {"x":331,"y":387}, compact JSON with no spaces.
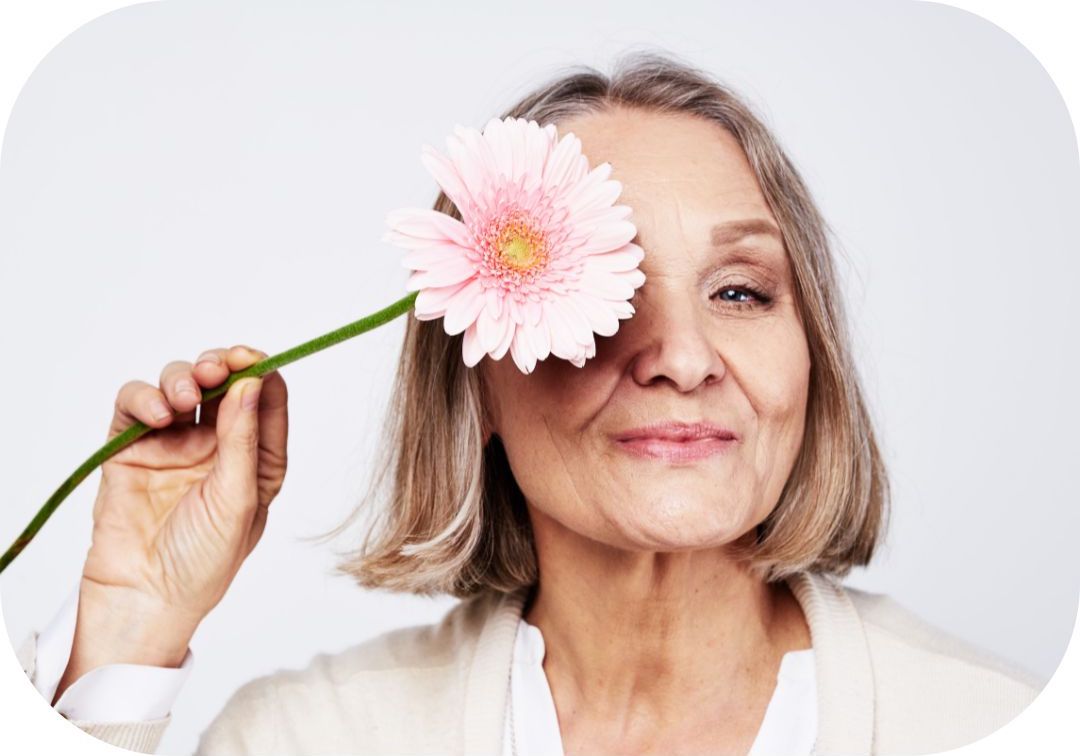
{"x":659,"y":146}
{"x":673,"y":168}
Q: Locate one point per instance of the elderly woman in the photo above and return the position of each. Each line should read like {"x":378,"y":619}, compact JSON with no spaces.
{"x":647,"y":548}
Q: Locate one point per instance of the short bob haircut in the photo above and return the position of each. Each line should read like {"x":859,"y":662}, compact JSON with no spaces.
{"x":454,"y":520}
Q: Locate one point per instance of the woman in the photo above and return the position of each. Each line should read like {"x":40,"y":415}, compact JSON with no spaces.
{"x":648,"y":548}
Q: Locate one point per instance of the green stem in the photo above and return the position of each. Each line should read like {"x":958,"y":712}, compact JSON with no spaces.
{"x":139,"y":429}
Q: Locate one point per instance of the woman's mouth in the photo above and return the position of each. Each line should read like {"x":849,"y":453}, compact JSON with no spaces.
{"x":669,"y":450}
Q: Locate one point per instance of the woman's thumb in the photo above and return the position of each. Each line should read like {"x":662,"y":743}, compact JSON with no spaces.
{"x":238,"y":438}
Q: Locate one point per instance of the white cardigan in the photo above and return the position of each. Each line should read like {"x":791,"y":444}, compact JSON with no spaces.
{"x":887,"y":682}
{"x":139,"y":692}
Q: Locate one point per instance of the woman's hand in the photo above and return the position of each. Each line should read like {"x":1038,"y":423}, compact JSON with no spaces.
{"x":178,"y":510}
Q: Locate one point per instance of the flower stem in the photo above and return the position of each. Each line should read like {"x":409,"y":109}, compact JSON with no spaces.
{"x":139,"y":429}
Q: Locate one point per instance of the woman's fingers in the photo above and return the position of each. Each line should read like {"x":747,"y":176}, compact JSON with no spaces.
{"x":180,"y":390}
{"x":274,"y":418}
{"x":241,"y":356}
{"x":139,"y":401}
{"x":273,"y":402}
{"x":210,"y":369}
{"x":179,"y":386}
{"x":232,"y":360}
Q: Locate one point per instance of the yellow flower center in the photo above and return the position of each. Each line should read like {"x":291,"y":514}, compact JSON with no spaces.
{"x":515,"y":247}
{"x":521,"y":247}
{"x":518,"y":252}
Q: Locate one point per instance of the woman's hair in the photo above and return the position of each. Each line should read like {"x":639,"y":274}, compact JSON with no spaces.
{"x":454,"y":520}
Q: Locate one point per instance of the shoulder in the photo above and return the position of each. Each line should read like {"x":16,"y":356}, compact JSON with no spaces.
{"x":927,"y":679}
{"x":894,"y":629}
{"x":359,"y":697}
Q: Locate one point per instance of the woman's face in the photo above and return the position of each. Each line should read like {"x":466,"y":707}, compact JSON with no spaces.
{"x":700,"y":347}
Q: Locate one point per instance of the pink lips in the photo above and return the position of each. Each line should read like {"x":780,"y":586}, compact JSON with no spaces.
{"x":677,"y":442}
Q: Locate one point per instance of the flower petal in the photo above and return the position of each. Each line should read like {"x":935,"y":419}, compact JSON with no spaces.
{"x":598,"y":197}
{"x":601,"y":318}
{"x":485,"y":158}
{"x":608,"y":237}
{"x":517,"y":149}
{"x":494,"y":301}
{"x":509,"y":331}
{"x":522,"y":353}
{"x":565,"y":164}
{"x":635,"y":277}
{"x":622,"y":310}
{"x":625,"y":258}
{"x":463,"y":308}
{"x":580,"y":330}
{"x":539,"y":339}
{"x":580,"y":197}
{"x":429,"y":224}
{"x":533,"y":311}
{"x":455,"y":270}
{"x":605,"y":285}
{"x":499,"y":140}
{"x":516,"y":311}
{"x":471,"y":349}
{"x":433,"y":301}
{"x":563,"y":344}
{"x":448,"y":179}
{"x":538,"y":144}
{"x":599,"y":215}
{"x":490,"y":329}
{"x":469,"y":168}
{"x":434,"y":256}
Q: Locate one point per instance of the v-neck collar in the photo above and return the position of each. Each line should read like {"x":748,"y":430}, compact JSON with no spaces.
{"x":845,"y":683}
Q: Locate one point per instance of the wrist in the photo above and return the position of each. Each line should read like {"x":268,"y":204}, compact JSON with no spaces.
{"x":123,"y":625}
{"x":118,"y":626}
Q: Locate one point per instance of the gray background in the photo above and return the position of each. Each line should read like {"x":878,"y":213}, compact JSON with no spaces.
{"x":182,"y":175}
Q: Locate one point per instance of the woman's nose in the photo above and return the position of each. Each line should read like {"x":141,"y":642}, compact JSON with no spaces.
{"x":670,"y":340}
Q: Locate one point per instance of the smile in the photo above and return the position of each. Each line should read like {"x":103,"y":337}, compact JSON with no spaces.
{"x":676,"y":451}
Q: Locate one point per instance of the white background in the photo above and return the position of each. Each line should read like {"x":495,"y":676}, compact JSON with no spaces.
{"x":226,"y":173}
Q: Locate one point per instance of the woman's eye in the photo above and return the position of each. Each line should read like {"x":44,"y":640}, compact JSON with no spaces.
{"x":740,"y":295}
{"x":743,"y":296}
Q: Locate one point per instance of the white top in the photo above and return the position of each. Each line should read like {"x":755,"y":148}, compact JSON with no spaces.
{"x":788,"y":729}
{"x":137,"y":692}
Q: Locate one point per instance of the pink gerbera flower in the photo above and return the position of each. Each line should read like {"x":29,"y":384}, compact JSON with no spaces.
{"x":542,"y":259}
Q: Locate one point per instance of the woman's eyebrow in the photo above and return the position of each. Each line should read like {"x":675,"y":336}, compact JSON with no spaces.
{"x":733,"y":231}
{"x":763,"y":257}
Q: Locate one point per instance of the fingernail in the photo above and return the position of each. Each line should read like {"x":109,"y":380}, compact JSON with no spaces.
{"x":249,"y":400}
{"x":185,"y":387}
{"x":159,"y":409}
{"x":208,"y":357}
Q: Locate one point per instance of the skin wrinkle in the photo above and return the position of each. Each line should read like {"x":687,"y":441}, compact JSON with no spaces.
{"x":640,"y":607}
{"x":565,"y":467}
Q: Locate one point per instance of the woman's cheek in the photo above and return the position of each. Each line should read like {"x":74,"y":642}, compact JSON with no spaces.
{"x":781,"y":368}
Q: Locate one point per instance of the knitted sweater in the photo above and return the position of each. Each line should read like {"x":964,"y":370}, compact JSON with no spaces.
{"x":888,"y":683}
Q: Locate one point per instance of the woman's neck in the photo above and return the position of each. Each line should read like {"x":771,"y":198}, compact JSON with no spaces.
{"x":648,"y":641}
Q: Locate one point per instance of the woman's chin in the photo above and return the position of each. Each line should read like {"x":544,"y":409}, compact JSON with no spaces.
{"x":671,"y":526}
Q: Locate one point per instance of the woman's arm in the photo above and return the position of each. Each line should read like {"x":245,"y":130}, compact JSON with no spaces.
{"x":110,"y":693}
{"x":128,"y":705}
{"x":142,"y":736}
